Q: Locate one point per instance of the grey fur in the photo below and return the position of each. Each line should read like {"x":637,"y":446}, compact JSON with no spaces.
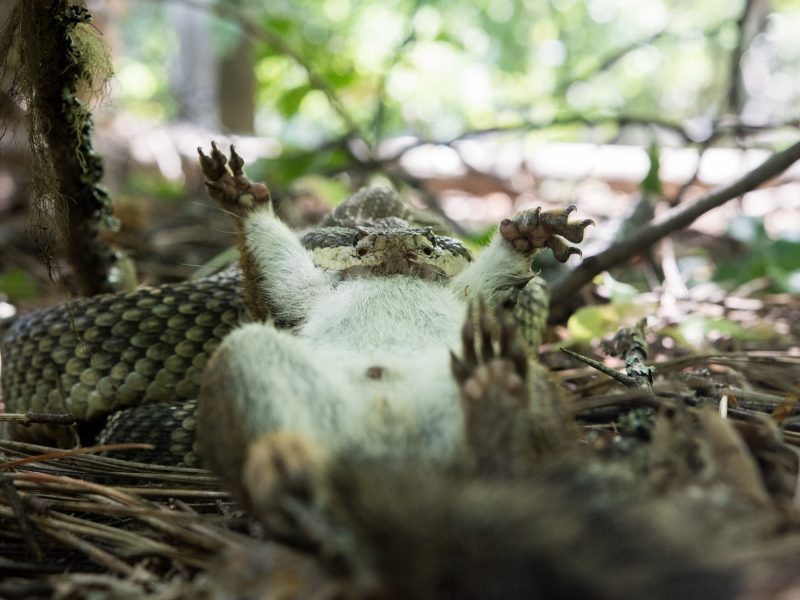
{"x":349,"y":326}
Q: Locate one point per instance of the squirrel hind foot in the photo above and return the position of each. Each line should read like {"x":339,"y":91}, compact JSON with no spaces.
{"x":282,"y":479}
{"x":494,"y":394}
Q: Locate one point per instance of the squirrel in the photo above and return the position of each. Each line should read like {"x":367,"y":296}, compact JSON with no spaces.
{"x":366,"y":370}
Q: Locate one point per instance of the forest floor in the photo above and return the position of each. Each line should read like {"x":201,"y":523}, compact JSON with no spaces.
{"x":76,"y":525}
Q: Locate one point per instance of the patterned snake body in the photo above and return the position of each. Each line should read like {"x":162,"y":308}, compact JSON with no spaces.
{"x":113,"y":351}
{"x":128,"y":366}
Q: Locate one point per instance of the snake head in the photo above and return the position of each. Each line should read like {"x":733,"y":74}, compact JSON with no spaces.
{"x":412,"y":251}
{"x":386,"y":247}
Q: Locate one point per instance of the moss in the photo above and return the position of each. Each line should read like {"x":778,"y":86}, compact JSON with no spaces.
{"x":54,"y":62}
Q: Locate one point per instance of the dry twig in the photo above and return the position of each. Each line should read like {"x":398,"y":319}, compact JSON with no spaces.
{"x":660,"y":227}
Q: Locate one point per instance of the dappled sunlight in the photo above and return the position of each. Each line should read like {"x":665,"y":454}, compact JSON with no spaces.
{"x":525,"y":274}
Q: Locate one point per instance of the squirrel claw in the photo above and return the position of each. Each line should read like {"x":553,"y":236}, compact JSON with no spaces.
{"x":212,"y":168}
{"x":561,"y":250}
{"x":236,"y":163}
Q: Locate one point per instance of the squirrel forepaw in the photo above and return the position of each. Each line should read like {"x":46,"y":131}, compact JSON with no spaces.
{"x":529,"y":230}
{"x":228,"y":185}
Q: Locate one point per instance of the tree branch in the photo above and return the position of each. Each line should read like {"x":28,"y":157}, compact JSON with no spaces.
{"x":662,"y":226}
{"x":588,"y":121}
{"x":608,"y":61}
{"x":274,"y":40}
{"x":560,"y":121}
{"x":735,"y":69}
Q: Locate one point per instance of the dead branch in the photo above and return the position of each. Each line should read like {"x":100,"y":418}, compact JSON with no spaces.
{"x":598,"y":366}
{"x":631,"y":345}
{"x":29,"y":418}
{"x":662,"y":226}
{"x":24,"y":523}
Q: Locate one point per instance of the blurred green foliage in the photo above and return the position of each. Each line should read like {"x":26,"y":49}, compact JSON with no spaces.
{"x":438,"y":70}
{"x":342,"y":85}
{"x":695,"y":331}
{"x":777,"y":260}
{"x":600,"y":320}
{"x":17,"y":284}
{"x":141,"y":71}
{"x":148,"y":183}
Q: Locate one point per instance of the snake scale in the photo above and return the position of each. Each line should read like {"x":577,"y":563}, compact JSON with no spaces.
{"x":128,"y":366}
{"x":143,"y":351}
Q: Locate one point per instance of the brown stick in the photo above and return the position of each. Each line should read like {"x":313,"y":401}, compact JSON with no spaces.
{"x":631,"y":345}
{"x":30,"y":418}
{"x":662,"y":226}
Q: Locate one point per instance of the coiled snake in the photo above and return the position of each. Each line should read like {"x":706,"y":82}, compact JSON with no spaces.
{"x":128,"y":366}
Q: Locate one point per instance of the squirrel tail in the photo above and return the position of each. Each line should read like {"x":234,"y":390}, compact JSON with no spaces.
{"x":423,"y":534}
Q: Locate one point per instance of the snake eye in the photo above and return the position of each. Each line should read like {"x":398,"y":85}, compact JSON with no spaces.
{"x":361,"y":251}
{"x":427,"y":251}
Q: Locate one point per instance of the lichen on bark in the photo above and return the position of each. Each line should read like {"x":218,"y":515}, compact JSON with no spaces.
{"x":53,"y":62}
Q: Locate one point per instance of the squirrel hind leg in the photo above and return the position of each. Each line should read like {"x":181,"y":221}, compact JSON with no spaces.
{"x":261,"y":381}
{"x":530,"y":314}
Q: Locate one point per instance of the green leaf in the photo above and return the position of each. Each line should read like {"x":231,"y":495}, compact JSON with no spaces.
{"x":651,"y":184}
{"x":480,"y":239}
{"x":618,"y":291}
{"x":216,"y":263}
{"x":777,"y":260}
{"x":292,"y":164}
{"x":741,"y":271}
{"x":695,"y":331}
{"x":594,"y":322}
{"x":784,"y":255}
{"x":289,"y":102}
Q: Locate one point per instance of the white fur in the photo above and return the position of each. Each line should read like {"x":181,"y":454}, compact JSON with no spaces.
{"x":369,"y":365}
{"x":291,"y":281}
{"x":495,"y":269}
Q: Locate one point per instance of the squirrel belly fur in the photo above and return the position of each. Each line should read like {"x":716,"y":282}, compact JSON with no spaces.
{"x":366,"y":369}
